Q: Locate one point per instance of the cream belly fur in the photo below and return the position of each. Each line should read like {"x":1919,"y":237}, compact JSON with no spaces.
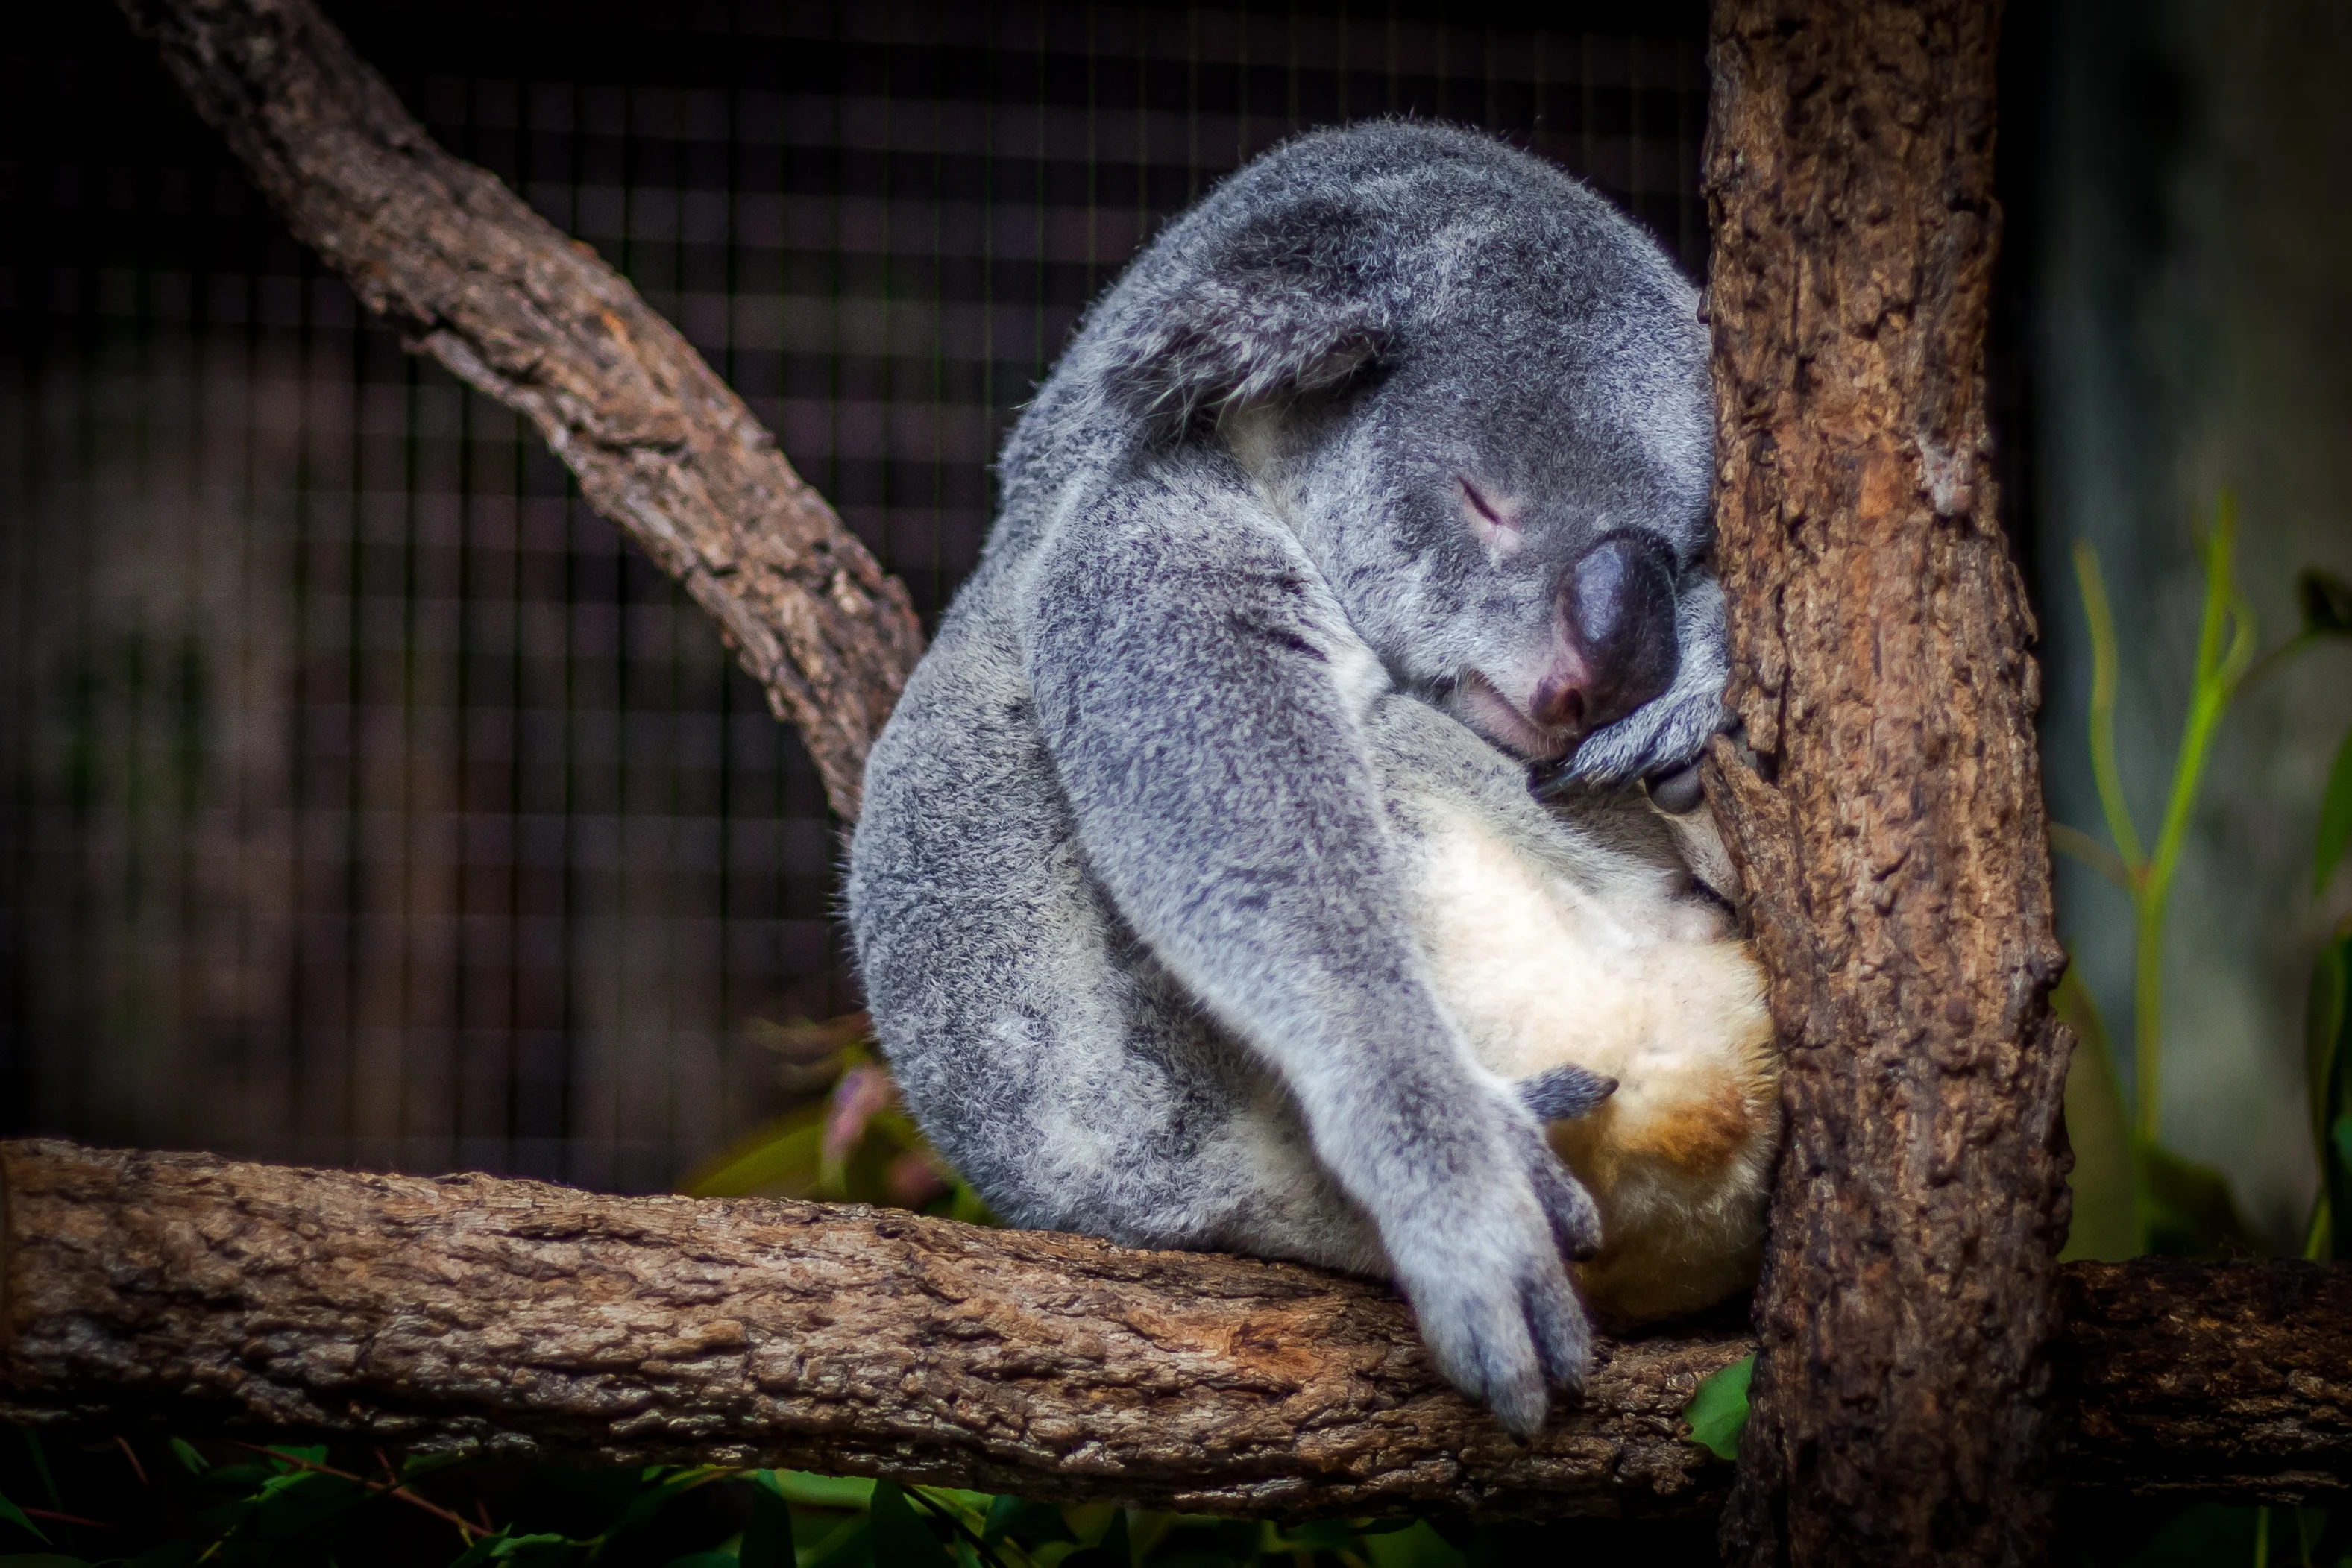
{"x":1543,"y":963}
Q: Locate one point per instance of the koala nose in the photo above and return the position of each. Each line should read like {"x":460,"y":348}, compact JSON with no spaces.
{"x":1617,"y":618}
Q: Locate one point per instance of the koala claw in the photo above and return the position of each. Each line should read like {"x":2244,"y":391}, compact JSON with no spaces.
{"x":1564,"y":1093}
{"x":1497,"y":1308}
{"x":1504,"y":1336}
{"x":1575,"y":1220}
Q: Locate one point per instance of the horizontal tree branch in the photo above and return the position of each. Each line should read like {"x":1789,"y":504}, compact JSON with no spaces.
{"x":201,"y":1295}
{"x":520,"y":312}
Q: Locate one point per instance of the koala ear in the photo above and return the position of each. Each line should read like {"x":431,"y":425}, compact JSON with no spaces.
{"x":1264,"y":316}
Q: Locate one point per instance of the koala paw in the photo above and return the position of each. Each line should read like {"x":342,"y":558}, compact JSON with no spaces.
{"x":1493,"y":1297}
{"x":1657,"y":739}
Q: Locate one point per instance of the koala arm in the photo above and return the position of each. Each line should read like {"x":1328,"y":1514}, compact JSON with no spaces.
{"x":1200,"y":695}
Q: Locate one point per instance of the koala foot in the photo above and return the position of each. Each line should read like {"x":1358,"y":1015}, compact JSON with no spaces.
{"x":1493,"y":1299}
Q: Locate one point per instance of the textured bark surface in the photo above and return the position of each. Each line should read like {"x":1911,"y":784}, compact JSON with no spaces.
{"x":2232,"y":1380}
{"x":198,"y":1294}
{"x":661,"y":445}
{"x":1889,"y":823}
{"x":535,"y":1319}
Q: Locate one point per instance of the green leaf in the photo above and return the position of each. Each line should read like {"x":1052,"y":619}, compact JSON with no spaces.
{"x":703,"y":1560}
{"x":2106,"y":1225}
{"x":195,"y":1462}
{"x":851,"y":1546}
{"x":1028,"y":1525}
{"x":1718,"y":1411}
{"x":1322,"y":1535}
{"x":504,"y":1547}
{"x":15,"y":1516}
{"x":2325,"y":601}
{"x":2324,"y":1022}
{"x":2199,"y":1536}
{"x":661,"y":1484}
{"x":293,"y":1505}
{"x":41,"y":1467}
{"x":184,"y":1552}
{"x":900,"y":1539}
{"x":1418,"y":1546}
{"x":2335,"y":819}
{"x":824,"y":1491}
{"x":2187,"y":1209}
{"x":777,"y":1160}
{"x":1112,"y":1550}
{"x":768,"y":1538}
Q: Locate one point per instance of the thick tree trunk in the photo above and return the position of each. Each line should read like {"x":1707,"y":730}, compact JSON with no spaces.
{"x":1889,"y":823}
{"x":661,"y":445}
{"x":199,"y":1294}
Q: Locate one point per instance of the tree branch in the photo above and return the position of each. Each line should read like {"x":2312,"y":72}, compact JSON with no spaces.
{"x":203,"y":1294}
{"x":661,"y":445}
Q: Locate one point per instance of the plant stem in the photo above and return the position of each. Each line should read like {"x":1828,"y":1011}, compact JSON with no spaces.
{"x":2225,"y":650}
{"x":2102,"y":618}
{"x":465,"y":1528}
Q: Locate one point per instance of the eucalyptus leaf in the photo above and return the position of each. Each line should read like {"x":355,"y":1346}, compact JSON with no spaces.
{"x":1718,"y":1412}
{"x":2335,"y":819}
{"x":2329,"y":1063}
{"x":2106,"y":1225}
{"x":1419,"y":1546}
{"x":2187,"y":1209}
{"x":16,"y":1516}
{"x":1111,"y":1551}
{"x":1028,"y":1525}
{"x":900,"y":1539}
{"x":768,"y":1538}
{"x":824,"y":1491}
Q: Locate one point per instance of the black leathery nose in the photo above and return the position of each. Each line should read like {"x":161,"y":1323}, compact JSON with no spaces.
{"x":1619,"y":608}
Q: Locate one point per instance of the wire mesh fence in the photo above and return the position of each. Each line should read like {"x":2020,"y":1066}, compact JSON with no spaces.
{"x":367,"y":800}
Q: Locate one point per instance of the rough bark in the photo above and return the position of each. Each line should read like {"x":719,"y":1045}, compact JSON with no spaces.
{"x":661,"y":445}
{"x":1889,"y":820}
{"x":200,"y":1294}
{"x":527,"y":1318}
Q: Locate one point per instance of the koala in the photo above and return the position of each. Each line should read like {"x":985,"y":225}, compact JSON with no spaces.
{"x":1201,"y":894}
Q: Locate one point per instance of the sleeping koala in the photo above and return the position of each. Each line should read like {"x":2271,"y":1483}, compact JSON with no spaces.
{"x":1200,"y":894}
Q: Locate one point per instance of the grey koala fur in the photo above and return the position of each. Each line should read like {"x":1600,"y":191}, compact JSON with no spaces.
{"x":1279,"y":572}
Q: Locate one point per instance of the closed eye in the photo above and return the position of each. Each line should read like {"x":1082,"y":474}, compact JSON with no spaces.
{"x":1485,"y":507}
{"x":1491,"y":524}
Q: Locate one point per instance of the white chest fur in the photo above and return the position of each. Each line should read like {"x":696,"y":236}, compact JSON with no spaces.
{"x":1613,"y":966}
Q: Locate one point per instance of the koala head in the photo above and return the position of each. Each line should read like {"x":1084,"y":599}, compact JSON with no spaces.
{"x":1480,"y":397}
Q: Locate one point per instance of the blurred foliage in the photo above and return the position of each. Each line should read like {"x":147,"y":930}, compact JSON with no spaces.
{"x":2131,"y":1194}
{"x":850,"y":1142}
{"x":172,"y":1504}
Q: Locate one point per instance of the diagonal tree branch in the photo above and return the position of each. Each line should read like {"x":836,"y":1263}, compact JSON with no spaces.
{"x":518,"y":1318}
{"x":661,"y":445}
